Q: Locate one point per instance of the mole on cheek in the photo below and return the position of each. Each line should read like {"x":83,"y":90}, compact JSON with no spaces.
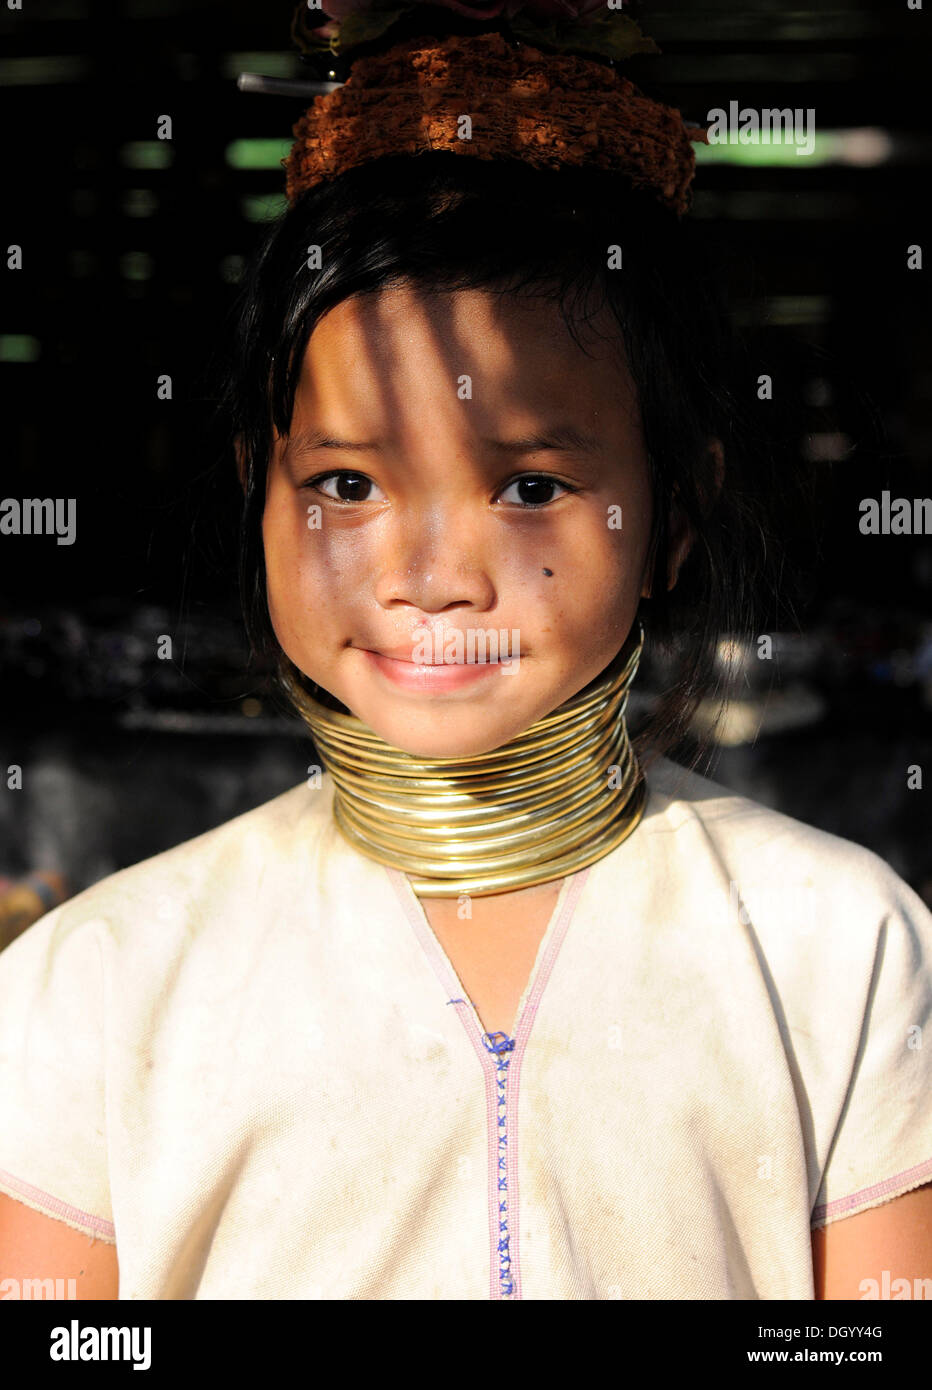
{"x":549,"y":573}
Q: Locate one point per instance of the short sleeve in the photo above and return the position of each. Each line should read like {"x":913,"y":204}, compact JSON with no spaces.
{"x":53,"y":1142}
{"x":882,"y":1145}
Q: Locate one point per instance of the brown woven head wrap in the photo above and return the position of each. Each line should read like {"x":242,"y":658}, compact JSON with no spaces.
{"x":546,"y":109}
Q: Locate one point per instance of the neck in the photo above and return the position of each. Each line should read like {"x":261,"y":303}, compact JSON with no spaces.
{"x":543,"y":805}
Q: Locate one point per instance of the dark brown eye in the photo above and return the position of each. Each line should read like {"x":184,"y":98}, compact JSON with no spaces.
{"x":534,"y":489}
{"x":350,"y":487}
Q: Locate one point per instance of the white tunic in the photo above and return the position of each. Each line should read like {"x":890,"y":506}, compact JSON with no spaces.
{"x":250,"y":1063}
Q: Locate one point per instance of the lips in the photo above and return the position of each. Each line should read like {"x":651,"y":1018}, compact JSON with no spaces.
{"x":435,"y":677}
{"x":403,"y":653}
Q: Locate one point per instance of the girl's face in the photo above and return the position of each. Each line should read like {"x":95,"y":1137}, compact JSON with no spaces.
{"x":461,"y":484}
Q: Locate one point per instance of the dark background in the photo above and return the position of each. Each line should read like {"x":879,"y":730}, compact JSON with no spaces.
{"x":131,"y":252}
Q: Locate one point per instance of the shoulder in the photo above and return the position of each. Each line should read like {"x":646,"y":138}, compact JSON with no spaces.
{"x":247,"y":846}
{"x":841,"y":945}
{"x":782,"y":862}
{"x":213,"y":878}
{"x":815,"y":907}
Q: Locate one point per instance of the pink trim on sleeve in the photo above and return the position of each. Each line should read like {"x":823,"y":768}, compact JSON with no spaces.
{"x":911,"y":1176}
{"x":34,"y":1196}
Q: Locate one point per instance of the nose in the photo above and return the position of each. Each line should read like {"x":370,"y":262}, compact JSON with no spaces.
{"x":432,"y":567}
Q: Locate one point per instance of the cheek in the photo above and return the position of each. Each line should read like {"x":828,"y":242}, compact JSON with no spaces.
{"x":600,"y":552}
{"x":592,"y":589}
{"x":311,"y":570}
{"x":624,"y":533}
{"x":597,"y":582}
{"x":290,"y":567}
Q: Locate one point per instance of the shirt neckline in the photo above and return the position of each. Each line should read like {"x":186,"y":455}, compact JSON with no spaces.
{"x":548,"y":950}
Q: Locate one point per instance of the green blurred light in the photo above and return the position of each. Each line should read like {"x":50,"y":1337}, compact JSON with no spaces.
{"x":772,"y":155}
{"x":257,"y":154}
{"x":793,"y":310}
{"x":139,"y":202}
{"x":269,"y":64}
{"x":147,"y":154}
{"x":262,"y":207}
{"x":862,"y":146}
{"x":136,"y":265}
{"x":797,"y":309}
{"x":45,"y":71}
{"x":19,"y":347}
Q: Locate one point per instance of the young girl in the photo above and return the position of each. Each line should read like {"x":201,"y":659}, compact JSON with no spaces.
{"x":498,"y":1005}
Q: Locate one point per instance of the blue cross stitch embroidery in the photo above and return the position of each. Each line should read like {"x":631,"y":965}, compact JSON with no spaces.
{"x":500,"y":1044}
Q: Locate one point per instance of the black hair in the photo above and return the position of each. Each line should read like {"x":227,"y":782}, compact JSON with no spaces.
{"x":447,"y":221}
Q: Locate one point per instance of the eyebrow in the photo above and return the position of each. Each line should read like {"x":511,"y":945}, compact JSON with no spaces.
{"x":309,"y":440}
{"x":557,"y":437}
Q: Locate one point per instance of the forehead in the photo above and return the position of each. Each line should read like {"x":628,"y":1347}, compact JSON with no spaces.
{"x":408,"y":340}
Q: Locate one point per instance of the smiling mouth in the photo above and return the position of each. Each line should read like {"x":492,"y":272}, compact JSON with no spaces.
{"x":488,"y":653}
{"x":436,"y":676}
